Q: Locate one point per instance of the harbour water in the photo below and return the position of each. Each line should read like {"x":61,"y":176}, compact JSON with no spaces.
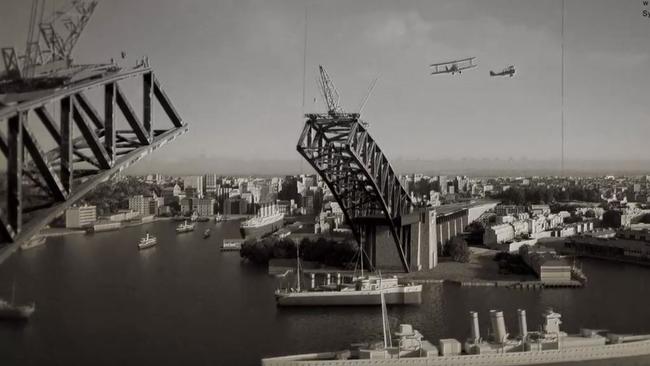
{"x":186,"y":302}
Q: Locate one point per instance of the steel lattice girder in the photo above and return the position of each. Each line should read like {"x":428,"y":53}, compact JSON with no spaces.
{"x":62,"y":175}
{"x":356,"y":171}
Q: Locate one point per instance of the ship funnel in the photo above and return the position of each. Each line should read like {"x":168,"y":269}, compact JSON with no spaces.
{"x":523,"y":327}
{"x":498,"y":326}
{"x":476,"y":335}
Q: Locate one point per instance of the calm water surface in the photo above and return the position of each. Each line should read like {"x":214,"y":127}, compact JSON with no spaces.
{"x":100,"y":301}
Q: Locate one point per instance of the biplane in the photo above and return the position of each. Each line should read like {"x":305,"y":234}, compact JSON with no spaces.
{"x":510,"y":70}
{"x":452,"y":67}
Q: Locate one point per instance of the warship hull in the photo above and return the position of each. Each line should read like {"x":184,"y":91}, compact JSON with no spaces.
{"x":624,"y":354}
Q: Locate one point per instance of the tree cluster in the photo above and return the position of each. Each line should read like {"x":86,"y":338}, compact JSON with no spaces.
{"x":458,"y":250}
{"x":325,"y":251}
{"x":109,"y":197}
{"x":538,"y":195}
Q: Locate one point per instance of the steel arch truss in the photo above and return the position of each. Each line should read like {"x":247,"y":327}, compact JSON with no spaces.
{"x":340,"y":149}
{"x":39,"y":184}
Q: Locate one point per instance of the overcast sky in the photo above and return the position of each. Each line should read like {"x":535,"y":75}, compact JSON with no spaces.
{"x":234,"y":70}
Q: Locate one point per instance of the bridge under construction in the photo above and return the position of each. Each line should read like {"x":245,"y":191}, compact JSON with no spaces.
{"x":109,"y":135}
{"x":392,"y":230}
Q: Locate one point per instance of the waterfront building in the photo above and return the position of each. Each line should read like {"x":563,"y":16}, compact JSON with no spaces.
{"x":144,"y":205}
{"x":616,"y":249}
{"x":80,"y":216}
{"x":205,"y":206}
{"x":545,"y":262}
{"x":235,"y":206}
{"x":498,"y":234}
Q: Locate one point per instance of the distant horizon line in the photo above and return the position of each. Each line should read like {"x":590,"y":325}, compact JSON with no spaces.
{"x":441,"y":166}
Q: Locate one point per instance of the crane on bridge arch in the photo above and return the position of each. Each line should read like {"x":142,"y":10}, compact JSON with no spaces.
{"x":357,"y":172}
{"x":90,"y":145}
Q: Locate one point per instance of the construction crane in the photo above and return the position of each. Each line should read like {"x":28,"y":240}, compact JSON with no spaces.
{"x":47,"y":62}
{"x":62,"y":30}
{"x":329,"y":92}
{"x":331,"y":96}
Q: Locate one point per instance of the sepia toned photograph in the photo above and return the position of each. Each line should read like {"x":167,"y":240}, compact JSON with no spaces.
{"x":325,"y":182}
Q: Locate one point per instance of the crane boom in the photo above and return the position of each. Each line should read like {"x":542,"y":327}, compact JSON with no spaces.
{"x":330,"y":94}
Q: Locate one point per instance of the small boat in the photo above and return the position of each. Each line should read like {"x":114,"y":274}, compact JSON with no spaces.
{"x":195,"y":216}
{"x":206,"y":233}
{"x":219,"y":218}
{"x":184,"y":227}
{"x":147,"y":242}
{"x":11,"y":311}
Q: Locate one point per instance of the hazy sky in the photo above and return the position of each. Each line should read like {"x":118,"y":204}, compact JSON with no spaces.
{"x":234,"y":70}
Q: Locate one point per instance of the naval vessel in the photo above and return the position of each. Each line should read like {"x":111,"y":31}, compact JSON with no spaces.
{"x":548,"y":346}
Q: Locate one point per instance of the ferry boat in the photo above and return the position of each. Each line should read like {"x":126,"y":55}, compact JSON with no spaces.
{"x":11,"y":311}
{"x":34,"y":242}
{"x":184,"y":227}
{"x":549,"y":346}
{"x":268,"y":220}
{"x":147,"y":242}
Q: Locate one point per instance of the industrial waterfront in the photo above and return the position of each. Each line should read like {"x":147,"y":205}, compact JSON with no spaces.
{"x":185,"y":301}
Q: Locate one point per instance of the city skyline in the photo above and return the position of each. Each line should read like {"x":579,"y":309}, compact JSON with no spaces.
{"x":236,"y":75}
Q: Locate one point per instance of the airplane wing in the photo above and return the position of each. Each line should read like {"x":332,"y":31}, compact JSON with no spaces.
{"x":466,"y":67}
{"x":453,"y":62}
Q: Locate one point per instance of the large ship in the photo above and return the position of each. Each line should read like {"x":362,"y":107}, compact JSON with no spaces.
{"x":11,"y":311}
{"x":549,"y":346}
{"x":269,"y":219}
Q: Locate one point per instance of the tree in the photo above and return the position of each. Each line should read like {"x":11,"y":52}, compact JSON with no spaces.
{"x":458,"y":250}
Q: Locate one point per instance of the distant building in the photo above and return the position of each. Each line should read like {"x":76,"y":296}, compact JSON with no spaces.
{"x":548,"y":266}
{"x":195,"y":182}
{"x":81,"y":216}
{"x":210,"y":183}
{"x":503,"y":210}
{"x":498,"y":234}
{"x":235,"y":206}
{"x":540,"y":210}
{"x":144,"y":205}
{"x":205,"y":206}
